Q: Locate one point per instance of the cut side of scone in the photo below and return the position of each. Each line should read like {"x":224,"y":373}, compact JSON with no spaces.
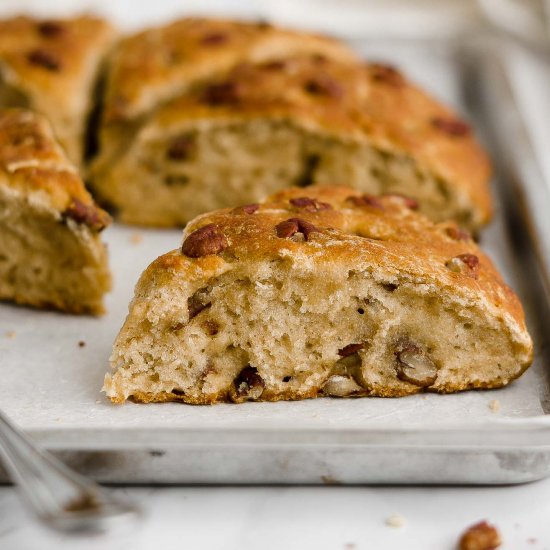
{"x":51,"y":66}
{"x":318,"y":292}
{"x":295,"y":121}
{"x":51,"y":254}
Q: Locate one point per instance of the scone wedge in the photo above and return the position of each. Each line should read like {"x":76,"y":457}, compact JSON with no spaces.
{"x":52,"y":66}
{"x":234,"y":119}
{"x":315,"y":292}
{"x":51,"y":254}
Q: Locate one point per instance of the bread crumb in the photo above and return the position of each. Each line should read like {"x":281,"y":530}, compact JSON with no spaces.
{"x":136,"y":238}
{"x":532,"y":540}
{"x":81,"y":344}
{"x":98,"y":401}
{"x":329,"y":480}
{"x":10,"y":334}
{"x":350,"y":546}
{"x":396,"y":521}
{"x":494,"y":405}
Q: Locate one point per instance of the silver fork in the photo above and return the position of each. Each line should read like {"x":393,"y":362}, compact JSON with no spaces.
{"x":59,"y":497}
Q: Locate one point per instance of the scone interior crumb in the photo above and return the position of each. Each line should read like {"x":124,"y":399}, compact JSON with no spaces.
{"x":296,"y":330}
{"x":270,"y":156}
{"x":49,"y":262}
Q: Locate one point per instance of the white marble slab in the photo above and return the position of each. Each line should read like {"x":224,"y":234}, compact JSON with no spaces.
{"x":303,"y":518}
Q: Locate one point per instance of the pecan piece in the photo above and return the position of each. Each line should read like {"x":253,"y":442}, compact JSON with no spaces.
{"x":414,"y":366}
{"x":290,"y":227}
{"x":350,"y":349}
{"x":249,"y":385}
{"x":467,"y":264}
{"x":50,"y":29}
{"x":214,"y":38}
{"x":44,"y":59}
{"x":310,"y":205}
{"x":452,"y":126}
{"x":481,"y":536}
{"x":204,"y":241}
{"x":198,"y":302}
{"x":458,"y":234}
{"x":87,"y":214}
{"x":246,"y":209}
{"x":221,"y":93}
{"x":409,"y":202}
{"x":211,"y":327}
{"x":180,"y":147}
{"x":277,"y":65}
{"x":386,"y":74}
{"x":340,"y":386}
{"x":365,"y":200}
{"x":323,"y":84}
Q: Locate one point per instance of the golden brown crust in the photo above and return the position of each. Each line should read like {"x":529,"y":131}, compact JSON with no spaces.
{"x":224,"y":397}
{"x":157,"y":64}
{"x":32,"y":163}
{"x":53,"y":64}
{"x":395,"y":237}
{"x":353,"y":103}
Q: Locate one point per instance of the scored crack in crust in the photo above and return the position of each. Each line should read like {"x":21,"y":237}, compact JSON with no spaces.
{"x":199,"y":124}
{"x":51,"y":67}
{"x":323,"y":291}
{"x":51,"y":254}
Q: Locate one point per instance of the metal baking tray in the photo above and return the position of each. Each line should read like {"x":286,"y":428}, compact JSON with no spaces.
{"x":50,"y":385}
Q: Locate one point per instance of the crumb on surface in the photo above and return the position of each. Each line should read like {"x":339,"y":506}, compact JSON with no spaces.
{"x":136,"y":238}
{"x":81,"y":344}
{"x":350,"y":546}
{"x":10,"y":334}
{"x":395,"y":520}
{"x":494,"y":405}
{"x":329,"y":480}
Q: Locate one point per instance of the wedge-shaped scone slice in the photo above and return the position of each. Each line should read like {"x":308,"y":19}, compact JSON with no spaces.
{"x":51,"y":255}
{"x":297,"y":121}
{"x":315,"y":292}
{"x":51,"y":66}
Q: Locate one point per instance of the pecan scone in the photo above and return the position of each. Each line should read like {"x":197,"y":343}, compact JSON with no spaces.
{"x":51,"y":66}
{"x":322,"y":291}
{"x":204,"y":114}
{"x":51,"y":254}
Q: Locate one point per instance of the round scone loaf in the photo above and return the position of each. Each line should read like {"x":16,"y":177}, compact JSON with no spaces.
{"x":51,"y":67}
{"x":315,"y":292}
{"x":51,"y":254}
{"x":221,"y":114}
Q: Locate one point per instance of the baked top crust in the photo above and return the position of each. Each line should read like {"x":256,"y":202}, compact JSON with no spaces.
{"x":51,"y":67}
{"x":378,"y":233}
{"x":349,"y":101}
{"x":33,"y":164}
{"x":52,"y":58}
{"x":156,"y":64}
